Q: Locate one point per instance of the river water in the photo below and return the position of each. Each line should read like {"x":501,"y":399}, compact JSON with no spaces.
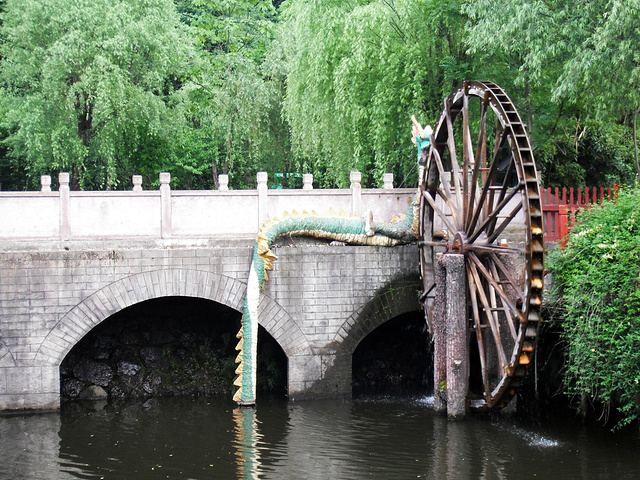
{"x":195,"y":438}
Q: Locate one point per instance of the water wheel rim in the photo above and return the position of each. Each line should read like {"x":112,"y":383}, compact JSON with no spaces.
{"x":471,"y":209}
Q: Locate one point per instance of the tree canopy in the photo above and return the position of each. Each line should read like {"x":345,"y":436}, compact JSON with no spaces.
{"x":107,"y":89}
{"x":92,"y":86}
{"x":357,"y":70}
{"x":576,"y":68}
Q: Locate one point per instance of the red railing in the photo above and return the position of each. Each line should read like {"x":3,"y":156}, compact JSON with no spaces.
{"x":559,"y":207}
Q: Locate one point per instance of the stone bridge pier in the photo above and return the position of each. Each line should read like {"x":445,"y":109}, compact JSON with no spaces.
{"x":319,"y":303}
{"x":70,"y":260}
{"x":336,"y":296}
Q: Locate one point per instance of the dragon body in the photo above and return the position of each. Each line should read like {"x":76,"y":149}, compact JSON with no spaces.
{"x":338,"y":227}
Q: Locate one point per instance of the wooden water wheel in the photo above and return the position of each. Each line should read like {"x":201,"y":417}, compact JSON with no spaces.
{"x":480,"y":197}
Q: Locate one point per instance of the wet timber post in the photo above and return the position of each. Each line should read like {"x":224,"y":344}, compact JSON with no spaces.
{"x":440,"y":338}
{"x":451,"y":344}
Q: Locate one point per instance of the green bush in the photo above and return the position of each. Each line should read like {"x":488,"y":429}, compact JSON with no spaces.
{"x":597,"y":286}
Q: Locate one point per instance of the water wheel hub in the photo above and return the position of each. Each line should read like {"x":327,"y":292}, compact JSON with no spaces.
{"x":459,"y":243}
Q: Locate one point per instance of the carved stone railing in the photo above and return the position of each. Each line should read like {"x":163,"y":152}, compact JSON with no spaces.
{"x":66,"y":215}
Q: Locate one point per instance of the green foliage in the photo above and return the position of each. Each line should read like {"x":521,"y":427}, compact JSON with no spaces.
{"x":357,"y":71}
{"x":598,"y":282}
{"x":108,"y":89}
{"x":90,"y":86}
{"x":593,"y":153}
{"x":606,"y":63}
{"x":235,"y":106}
{"x":231,"y":26}
{"x":523,"y":33}
{"x":573,"y":73}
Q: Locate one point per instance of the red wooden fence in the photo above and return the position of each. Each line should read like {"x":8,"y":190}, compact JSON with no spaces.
{"x":559,"y":207}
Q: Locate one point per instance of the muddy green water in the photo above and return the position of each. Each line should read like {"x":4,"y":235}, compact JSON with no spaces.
{"x":381,"y":439}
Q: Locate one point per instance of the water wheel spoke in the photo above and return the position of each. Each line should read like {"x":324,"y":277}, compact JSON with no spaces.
{"x":455,"y":214}
{"x":494,"y":213}
{"x":506,"y":301}
{"x":503,"y":189}
{"x":478,"y":328}
{"x":451,"y":144}
{"x":501,"y":139}
{"x":504,"y":224}
{"x":507,"y":274}
{"x":481,"y":146}
{"x":492,"y":321}
{"x":445,"y":191}
{"x":427,"y":292}
{"x":507,"y":311}
{"x":489,"y":179}
{"x":467,"y":159}
{"x":427,"y":299}
{"x":507,"y":178}
{"x":480,"y":162}
{"x":493,"y":248}
{"x":435,"y":155}
{"x":437,"y":210}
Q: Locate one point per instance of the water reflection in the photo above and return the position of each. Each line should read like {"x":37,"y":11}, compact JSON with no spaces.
{"x":246,"y":442}
{"x":382,"y":439}
{"x":28,"y":445}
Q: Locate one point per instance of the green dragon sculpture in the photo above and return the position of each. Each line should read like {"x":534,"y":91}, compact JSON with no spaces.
{"x":339,"y":227}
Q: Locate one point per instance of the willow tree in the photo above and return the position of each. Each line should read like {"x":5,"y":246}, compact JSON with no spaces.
{"x":90,"y":86}
{"x":358,"y":71}
{"x":229,"y":110}
{"x":574,"y":70}
{"x":606,"y":64}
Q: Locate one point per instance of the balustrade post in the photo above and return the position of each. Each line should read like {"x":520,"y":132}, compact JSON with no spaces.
{"x":307,"y":181}
{"x":356,"y":193}
{"x":387,"y":181}
{"x":165,"y":205}
{"x":45,"y":183}
{"x":263,"y":214}
{"x":223,"y":182}
{"x":63,"y":189}
{"x":137,"y":183}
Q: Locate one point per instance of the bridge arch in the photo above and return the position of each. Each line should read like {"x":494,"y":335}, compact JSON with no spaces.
{"x":103,"y":303}
{"x":397,"y":297}
{"x":282,"y":327}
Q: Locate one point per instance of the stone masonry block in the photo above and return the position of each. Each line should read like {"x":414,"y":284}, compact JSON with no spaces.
{"x":305,"y":368}
{"x":218,"y":293}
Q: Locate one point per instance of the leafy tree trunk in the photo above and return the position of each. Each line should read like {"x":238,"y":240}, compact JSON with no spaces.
{"x":214,"y":172}
{"x":75,"y":177}
{"x":527,"y":100}
{"x":635,"y":143}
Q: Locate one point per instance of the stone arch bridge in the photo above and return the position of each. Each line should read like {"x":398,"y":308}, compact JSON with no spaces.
{"x":70,"y":260}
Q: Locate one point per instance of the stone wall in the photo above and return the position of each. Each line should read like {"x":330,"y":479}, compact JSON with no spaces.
{"x":337,"y":295}
{"x":320,"y":301}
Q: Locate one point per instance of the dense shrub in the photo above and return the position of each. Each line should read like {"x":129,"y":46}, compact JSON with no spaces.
{"x":597,"y":286}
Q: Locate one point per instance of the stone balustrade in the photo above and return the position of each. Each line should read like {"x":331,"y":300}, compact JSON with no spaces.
{"x":166,"y":214}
